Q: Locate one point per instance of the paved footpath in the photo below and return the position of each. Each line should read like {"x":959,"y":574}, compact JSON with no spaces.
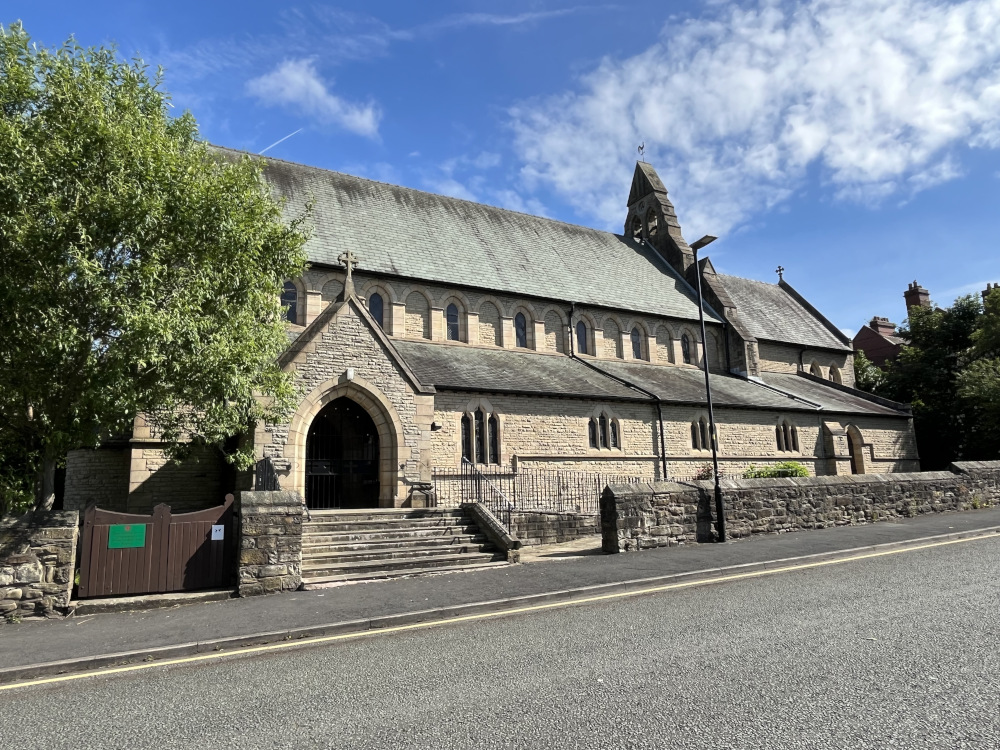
{"x":35,"y":642}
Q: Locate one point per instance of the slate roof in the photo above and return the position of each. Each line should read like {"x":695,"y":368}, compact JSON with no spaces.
{"x":774,"y":313}
{"x":686,"y":385}
{"x":831,"y":398}
{"x":469,"y":368}
{"x":794,"y":392}
{"x":405,"y":232}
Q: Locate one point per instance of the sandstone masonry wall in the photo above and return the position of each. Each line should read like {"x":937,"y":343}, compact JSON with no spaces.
{"x":641,"y":516}
{"x":96,"y":476}
{"x":270,"y":533}
{"x":37,"y":562}
{"x":553,"y":528}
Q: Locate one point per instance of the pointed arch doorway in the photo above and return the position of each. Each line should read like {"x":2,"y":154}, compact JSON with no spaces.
{"x":342,"y":458}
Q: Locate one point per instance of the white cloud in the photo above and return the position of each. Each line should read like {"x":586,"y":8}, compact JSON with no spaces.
{"x":296,"y":83}
{"x":736,"y":106}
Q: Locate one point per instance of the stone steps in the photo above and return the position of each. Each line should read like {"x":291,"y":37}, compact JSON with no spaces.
{"x":372,"y":544}
{"x":364,"y":556}
{"x":390,"y":542}
{"x":321,"y":581}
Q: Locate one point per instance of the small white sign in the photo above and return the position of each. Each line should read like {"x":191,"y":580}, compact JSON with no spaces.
{"x":218,"y":532}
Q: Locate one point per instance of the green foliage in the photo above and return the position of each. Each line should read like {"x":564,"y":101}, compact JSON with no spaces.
{"x":867,"y":376}
{"x":783,"y":469}
{"x":141,"y":269}
{"x":950,"y":373}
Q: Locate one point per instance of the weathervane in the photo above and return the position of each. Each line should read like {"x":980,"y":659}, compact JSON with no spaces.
{"x":780,"y":270}
{"x":642,"y":151}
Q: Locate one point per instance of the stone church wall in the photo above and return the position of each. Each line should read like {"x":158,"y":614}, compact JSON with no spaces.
{"x":96,"y":476}
{"x":550,"y":433}
{"x":347,"y":343}
{"x":775,"y":357}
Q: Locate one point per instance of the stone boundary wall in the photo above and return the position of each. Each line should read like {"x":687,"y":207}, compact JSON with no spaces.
{"x":270,"y":534}
{"x":661,"y":514}
{"x":553,"y":528}
{"x":37,"y":562}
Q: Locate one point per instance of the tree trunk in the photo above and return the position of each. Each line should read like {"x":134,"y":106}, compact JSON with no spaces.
{"x":45,"y":485}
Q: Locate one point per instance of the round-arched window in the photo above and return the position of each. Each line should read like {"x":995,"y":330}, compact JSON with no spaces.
{"x":521,"y":331}
{"x":636,"y":343}
{"x":686,"y":349}
{"x":581,"y":338}
{"x":290,"y":301}
{"x":453,"y":329}
{"x":376,"y":308}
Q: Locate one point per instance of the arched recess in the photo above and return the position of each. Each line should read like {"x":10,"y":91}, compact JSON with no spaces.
{"x":393,"y":451}
{"x":490,"y":327}
{"x":612,"y":330}
{"x":664,"y":344}
{"x":554,"y":326}
{"x":856,"y":449}
{"x":418,"y":315}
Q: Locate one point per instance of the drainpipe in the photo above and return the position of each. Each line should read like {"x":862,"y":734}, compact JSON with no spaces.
{"x":623,"y":381}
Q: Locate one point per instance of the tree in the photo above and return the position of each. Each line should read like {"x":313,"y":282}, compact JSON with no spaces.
{"x":867,"y":375}
{"x":141,"y":271}
{"x":928,"y":374}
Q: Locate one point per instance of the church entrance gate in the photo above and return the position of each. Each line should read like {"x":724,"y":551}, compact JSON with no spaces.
{"x":342,"y":458}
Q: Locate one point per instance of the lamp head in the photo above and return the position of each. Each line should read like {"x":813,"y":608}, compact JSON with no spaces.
{"x":706,"y":240}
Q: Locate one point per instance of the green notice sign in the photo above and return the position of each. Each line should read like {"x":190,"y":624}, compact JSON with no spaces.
{"x":126,"y":535}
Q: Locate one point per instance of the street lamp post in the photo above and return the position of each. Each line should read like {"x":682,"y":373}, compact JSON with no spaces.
{"x":720,"y":523}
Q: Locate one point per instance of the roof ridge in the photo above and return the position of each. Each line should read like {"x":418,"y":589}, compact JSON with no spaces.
{"x":415,"y":190}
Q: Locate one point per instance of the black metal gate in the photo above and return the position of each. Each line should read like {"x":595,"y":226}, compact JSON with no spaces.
{"x":342,"y":458}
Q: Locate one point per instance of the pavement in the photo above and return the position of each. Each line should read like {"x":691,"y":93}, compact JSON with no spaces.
{"x":556,"y":573}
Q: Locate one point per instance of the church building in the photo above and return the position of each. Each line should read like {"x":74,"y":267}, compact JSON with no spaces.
{"x":429,"y":330}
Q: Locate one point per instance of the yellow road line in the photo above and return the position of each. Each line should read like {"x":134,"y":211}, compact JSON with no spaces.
{"x":483,"y":616}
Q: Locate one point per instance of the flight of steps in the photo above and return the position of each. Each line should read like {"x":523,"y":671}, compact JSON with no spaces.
{"x":355,"y":545}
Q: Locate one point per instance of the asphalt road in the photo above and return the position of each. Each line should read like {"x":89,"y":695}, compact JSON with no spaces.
{"x":892,"y":652}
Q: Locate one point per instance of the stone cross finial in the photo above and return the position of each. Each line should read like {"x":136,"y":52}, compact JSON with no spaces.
{"x":349,"y":259}
{"x":780,"y":270}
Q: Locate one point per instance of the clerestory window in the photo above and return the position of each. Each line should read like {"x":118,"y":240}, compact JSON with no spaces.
{"x":377,"y":309}
{"x":521,"y":331}
{"x":453,"y":328}
{"x":581,"y":338}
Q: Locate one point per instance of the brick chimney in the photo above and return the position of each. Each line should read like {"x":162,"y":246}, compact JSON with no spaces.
{"x":916,"y":296}
{"x":882,"y":326}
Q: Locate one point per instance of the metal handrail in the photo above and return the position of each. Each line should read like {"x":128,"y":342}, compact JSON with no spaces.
{"x":498,"y":503}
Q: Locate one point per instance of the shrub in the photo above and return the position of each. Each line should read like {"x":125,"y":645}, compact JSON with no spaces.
{"x":783,"y":469}
{"x":705,"y":472}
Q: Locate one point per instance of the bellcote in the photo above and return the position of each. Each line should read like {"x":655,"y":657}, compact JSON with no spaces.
{"x":651,"y":217}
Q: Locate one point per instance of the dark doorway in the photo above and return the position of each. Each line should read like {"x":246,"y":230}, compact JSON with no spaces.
{"x":342,"y":458}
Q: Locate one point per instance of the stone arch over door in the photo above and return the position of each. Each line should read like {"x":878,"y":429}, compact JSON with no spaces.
{"x":392,"y":446}
{"x":856,"y":449}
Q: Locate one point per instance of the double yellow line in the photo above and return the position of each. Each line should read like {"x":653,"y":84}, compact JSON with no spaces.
{"x":484,"y":616}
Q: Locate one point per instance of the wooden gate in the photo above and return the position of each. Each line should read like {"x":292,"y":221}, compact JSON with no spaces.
{"x":127,"y":553}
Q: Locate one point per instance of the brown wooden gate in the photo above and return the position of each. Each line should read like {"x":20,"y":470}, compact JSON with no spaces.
{"x":128,"y":553}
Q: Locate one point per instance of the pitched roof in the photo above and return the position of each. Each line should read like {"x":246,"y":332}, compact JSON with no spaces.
{"x":833,"y":398}
{"x":780,"y":392}
{"x":404,"y":232}
{"x":470,"y":368}
{"x":776,"y":312}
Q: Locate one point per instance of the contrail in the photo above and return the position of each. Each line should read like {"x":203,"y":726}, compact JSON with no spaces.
{"x":279,"y":141}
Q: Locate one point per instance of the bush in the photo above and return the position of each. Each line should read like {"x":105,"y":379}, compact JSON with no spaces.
{"x":784,"y":469}
{"x":705,"y":472}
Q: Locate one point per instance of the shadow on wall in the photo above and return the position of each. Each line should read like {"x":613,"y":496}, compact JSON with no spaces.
{"x":200,"y":480}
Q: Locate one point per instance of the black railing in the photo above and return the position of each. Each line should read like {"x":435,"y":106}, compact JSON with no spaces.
{"x":479,"y":488}
{"x":539,"y":490}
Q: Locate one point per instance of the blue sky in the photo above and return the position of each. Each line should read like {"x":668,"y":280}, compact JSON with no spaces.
{"x":854,"y":142}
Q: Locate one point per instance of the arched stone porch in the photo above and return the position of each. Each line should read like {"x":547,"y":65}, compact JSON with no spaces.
{"x":393,"y":451}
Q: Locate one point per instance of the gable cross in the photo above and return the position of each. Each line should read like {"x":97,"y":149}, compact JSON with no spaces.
{"x":780,"y":270}
{"x":349,"y":259}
